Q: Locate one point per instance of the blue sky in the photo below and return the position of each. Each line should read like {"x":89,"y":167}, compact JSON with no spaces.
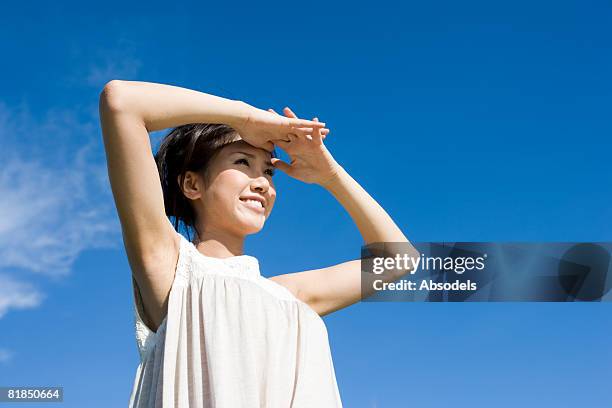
{"x":470,"y":121}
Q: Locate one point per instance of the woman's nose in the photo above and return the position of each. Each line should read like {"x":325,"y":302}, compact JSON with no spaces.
{"x":261,"y":184}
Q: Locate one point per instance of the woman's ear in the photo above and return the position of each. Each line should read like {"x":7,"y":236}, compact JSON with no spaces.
{"x":191,"y":185}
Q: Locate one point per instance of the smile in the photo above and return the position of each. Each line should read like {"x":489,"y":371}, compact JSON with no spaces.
{"x":254,"y":205}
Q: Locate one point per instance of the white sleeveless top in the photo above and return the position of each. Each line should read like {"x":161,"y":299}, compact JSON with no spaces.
{"x":232,"y":339}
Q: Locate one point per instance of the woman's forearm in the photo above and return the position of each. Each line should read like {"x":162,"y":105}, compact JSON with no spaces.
{"x":163,"y":106}
{"x":373,"y":222}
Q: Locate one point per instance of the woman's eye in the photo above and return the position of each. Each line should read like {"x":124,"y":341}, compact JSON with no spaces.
{"x":269,"y":171}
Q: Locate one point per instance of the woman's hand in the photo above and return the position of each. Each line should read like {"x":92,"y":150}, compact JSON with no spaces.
{"x":262,"y":129}
{"x":311,"y":162}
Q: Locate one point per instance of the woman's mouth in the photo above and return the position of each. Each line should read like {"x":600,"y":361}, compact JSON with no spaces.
{"x":253,"y":205}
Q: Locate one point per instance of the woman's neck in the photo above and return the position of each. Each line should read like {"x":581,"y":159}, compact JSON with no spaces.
{"x":219,"y":244}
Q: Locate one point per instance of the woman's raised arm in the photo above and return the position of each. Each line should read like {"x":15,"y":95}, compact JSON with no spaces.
{"x":128,"y":111}
{"x":335,"y":287}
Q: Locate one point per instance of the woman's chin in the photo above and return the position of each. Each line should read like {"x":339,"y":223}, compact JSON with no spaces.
{"x":252,"y":224}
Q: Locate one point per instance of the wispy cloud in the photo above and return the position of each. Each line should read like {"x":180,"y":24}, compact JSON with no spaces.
{"x":94,"y":67}
{"x":56,"y":203}
{"x":15,"y":294}
{"x":55,"y":197}
{"x":120,"y":68}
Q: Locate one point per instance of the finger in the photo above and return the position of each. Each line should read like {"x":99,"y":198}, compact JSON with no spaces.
{"x":323,"y":130}
{"x":273,"y":111}
{"x":303,"y":132}
{"x":316,"y":136}
{"x":304,"y":123}
{"x":281,"y":165}
{"x":289,"y":113}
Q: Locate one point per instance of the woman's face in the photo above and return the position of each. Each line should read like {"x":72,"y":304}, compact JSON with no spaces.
{"x":241,"y":193}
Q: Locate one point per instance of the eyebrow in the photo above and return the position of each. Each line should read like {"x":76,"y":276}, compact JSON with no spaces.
{"x":269,"y":163}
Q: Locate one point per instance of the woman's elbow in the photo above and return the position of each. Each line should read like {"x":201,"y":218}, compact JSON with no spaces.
{"x":112,"y":96}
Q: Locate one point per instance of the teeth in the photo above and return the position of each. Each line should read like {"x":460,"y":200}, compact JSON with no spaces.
{"x":255,"y":202}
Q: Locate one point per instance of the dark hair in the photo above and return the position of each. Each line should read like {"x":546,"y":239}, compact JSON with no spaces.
{"x":188,"y":148}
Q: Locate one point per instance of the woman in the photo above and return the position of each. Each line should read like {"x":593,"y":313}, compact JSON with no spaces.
{"x":211,"y":330}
